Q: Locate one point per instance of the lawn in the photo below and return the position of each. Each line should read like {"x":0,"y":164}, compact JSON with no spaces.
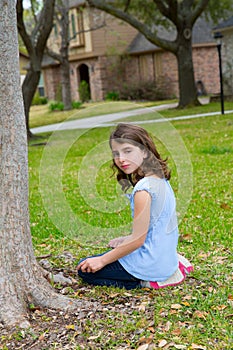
{"x":76,"y":207}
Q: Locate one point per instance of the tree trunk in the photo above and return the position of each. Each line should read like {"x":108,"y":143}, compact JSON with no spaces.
{"x":29,"y":87}
{"x":63,"y":8}
{"x":65,"y":83}
{"x":35,"y":44}
{"x":187,"y":86}
{"x":21,"y":279}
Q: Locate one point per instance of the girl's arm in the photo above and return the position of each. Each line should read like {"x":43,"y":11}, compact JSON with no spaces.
{"x":115,"y":242}
{"x":141,"y":221}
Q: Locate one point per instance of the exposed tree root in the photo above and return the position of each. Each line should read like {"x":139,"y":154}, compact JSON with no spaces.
{"x":16,"y":298}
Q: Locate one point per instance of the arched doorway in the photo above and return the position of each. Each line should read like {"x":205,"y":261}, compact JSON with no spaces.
{"x":83,"y":76}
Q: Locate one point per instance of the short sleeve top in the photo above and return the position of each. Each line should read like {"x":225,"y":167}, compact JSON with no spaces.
{"x":156,"y":259}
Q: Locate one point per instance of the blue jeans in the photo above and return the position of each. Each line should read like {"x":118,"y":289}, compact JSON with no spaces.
{"x":112,"y":274}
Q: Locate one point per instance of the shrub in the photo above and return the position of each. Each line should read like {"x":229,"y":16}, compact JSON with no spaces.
{"x":146,"y":90}
{"x":39,"y":100}
{"x":56,"y":106}
{"x":76,"y":104}
{"x":112,"y":96}
{"x":84,"y":91}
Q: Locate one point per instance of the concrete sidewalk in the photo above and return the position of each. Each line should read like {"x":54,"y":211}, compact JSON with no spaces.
{"x":109,"y":119}
{"x":99,"y":120}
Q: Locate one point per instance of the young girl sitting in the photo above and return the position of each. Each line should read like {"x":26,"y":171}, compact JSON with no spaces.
{"x":148,"y":256}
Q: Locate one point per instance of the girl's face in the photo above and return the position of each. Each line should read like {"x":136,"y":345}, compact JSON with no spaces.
{"x":127,"y":156}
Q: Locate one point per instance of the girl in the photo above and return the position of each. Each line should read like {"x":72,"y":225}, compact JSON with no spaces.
{"x":148,"y":256}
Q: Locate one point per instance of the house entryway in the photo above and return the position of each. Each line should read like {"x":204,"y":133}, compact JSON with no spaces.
{"x":84,"y":79}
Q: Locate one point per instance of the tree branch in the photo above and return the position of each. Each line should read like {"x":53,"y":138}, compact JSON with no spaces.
{"x":33,"y":11}
{"x":201,"y":6}
{"x":43,"y":28}
{"x":57,"y":56}
{"x":21,"y":27}
{"x":88,"y":30}
{"x":162,"y":8}
{"x":130,"y":19}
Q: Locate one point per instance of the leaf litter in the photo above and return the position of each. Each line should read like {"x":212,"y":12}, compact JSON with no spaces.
{"x":118,"y":319}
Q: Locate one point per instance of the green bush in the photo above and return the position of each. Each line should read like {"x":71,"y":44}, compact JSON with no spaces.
{"x":76,"y":104}
{"x":84,"y":91}
{"x":146,"y":90}
{"x":112,"y":96}
{"x":56,"y":106}
{"x":39,"y":100}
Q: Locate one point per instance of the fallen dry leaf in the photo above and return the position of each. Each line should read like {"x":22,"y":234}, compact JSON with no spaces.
{"x":195,"y":346}
{"x":151,"y":329}
{"x":167,"y":326}
{"x":225,"y":206}
{"x":93,"y":337}
{"x":162,"y":343}
{"x":176,"y":306}
{"x":200,"y":314}
{"x":143,"y":347}
{"x":145,"y":340}
{"x":176,"y":331}
{"x":185,"y":303}
{"x":70,"y":327}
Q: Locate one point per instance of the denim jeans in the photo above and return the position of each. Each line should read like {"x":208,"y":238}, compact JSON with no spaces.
{"x":112,"y":274}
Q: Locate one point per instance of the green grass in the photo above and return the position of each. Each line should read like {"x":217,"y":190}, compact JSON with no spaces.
{"x":75,"y":205}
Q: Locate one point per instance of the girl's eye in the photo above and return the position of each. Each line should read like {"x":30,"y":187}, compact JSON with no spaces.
{"x":115,"y":155}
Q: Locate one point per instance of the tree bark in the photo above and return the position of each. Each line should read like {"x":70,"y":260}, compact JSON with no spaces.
{"x":29,"y":87}
{"x":35,"y":44}
{"x":21,"y":279}
{"x":187,"y":85}
{"x":63,"y":8}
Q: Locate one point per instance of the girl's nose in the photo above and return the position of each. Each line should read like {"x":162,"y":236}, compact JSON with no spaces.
{"x":121,"y":158}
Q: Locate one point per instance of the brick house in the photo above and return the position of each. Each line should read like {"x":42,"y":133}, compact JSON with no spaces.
{"x":116,"y":54}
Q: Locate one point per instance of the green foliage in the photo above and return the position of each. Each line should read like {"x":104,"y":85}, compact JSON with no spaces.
{"x":147,"y":91}
{"x":84,"y":91}
{"x":148,"y":11}
{"x":112,"y":96}
{"x":76,"y":104}
{"x":56,"y":106}
{"x":39,"y":100}
{"x":219,"y":10}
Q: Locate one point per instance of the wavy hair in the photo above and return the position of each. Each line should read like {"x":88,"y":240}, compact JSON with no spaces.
{"x":153,"y":164}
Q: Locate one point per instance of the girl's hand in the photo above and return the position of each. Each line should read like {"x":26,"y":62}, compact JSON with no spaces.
{"x":115,"y":242}
{"x":91,"y":264}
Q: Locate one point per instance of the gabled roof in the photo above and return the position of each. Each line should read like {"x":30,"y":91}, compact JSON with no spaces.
{"x":202,"y":34}
{"x":76,"y":3}
{"x":225,"y":24}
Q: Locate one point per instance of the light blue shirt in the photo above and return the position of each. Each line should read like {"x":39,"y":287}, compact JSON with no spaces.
{"x":156,"y":259}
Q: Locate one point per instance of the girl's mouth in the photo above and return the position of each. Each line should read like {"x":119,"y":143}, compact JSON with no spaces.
{"x":125,"y":166}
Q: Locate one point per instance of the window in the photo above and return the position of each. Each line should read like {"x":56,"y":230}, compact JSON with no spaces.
{"x":76,"y":28}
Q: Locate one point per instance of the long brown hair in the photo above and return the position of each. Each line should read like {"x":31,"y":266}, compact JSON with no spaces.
{"x":152,"y":164}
